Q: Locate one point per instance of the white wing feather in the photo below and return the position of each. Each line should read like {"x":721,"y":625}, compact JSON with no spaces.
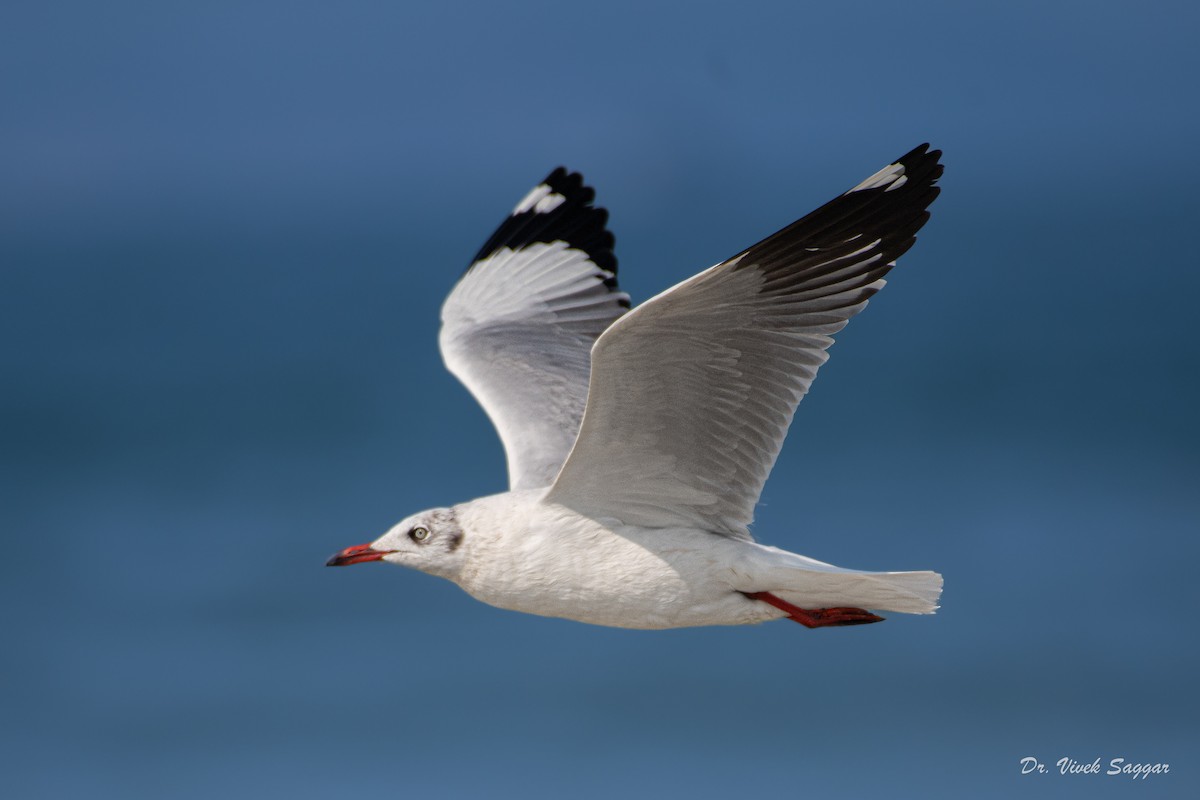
{"x":518,"y":328}
{"x":692,"y":393}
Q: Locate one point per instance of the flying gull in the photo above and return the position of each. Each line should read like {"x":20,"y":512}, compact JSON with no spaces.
{"x":638,"y":441}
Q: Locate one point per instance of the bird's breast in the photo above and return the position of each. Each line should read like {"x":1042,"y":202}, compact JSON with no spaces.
{"x":625,"y":577}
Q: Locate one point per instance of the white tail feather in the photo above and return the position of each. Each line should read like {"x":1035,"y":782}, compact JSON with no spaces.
{"x":807,"y":583}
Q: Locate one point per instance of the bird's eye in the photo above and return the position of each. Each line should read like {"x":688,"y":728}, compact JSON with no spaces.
{"x":419,"y":534}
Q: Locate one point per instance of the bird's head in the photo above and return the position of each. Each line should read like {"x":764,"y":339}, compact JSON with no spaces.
{"x":429,"y":541}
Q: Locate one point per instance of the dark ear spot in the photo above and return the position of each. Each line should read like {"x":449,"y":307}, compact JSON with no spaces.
{"x":455,"y":540}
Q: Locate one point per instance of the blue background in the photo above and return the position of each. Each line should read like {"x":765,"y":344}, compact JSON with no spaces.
{"x":225,"y":234}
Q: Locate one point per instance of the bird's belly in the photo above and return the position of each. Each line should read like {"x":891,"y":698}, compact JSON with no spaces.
{"x":616,"y":580}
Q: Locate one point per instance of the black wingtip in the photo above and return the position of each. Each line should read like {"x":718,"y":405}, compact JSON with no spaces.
{"x":573,"y":219}
{"x":888,"y":208}
{"x":570,"y":185}
{"x":922,"y":164}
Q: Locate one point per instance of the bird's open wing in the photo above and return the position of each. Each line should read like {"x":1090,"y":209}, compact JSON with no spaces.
{"x":518,"y":328}
{"x":692,"y":393}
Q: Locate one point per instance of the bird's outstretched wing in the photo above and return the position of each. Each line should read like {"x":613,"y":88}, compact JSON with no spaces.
{"x":692,"y":393}
{"x":518,"y":327}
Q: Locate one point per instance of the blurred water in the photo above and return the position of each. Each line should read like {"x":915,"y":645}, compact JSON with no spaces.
{"x":224,"y":238}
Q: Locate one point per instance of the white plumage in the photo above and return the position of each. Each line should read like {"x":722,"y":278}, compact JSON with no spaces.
{"x":638,"y":443}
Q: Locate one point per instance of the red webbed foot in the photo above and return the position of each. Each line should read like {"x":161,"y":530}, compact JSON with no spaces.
{"x":817,"y":617}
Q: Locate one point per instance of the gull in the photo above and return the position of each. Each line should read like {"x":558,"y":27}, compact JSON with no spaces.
{"x":638,"y":441}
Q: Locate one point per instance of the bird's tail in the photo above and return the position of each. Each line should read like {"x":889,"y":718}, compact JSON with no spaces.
{"x":807,"y":583}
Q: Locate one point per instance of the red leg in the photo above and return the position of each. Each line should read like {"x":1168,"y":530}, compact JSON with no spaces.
{"x":817,"y":617}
